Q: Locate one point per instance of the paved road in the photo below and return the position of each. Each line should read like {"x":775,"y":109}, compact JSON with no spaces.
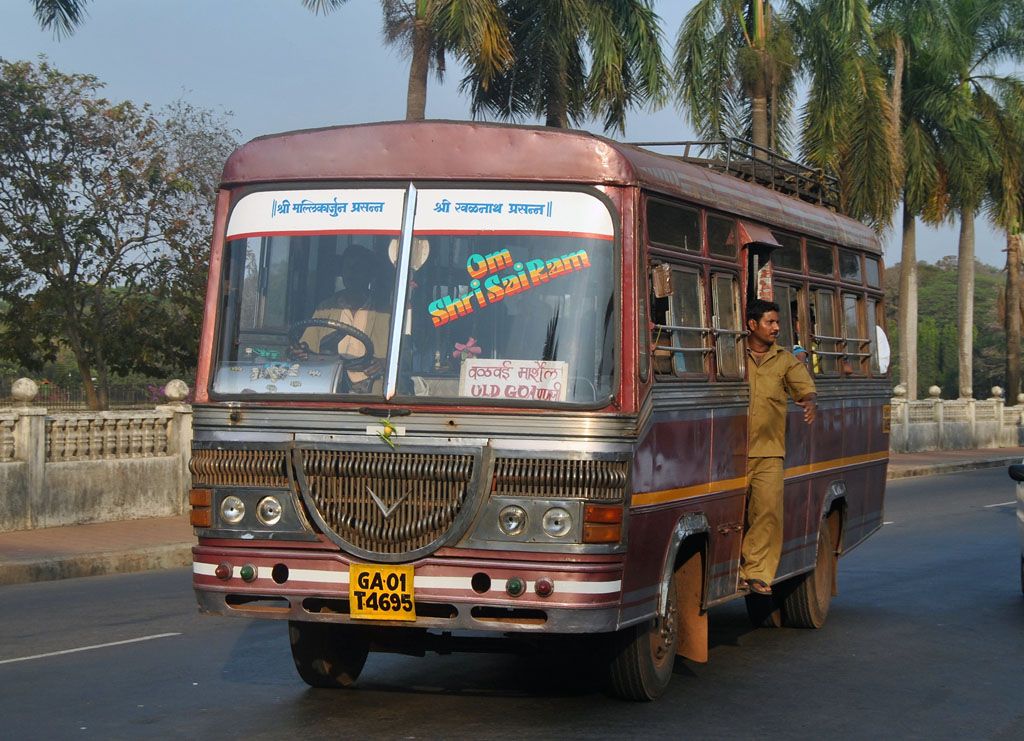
{"x":925,"y":640}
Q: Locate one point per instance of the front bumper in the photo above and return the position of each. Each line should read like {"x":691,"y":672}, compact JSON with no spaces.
{"x":450,"y":593}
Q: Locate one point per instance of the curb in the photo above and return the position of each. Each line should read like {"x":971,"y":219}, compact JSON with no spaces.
{"x":936,"y":469}
{"x":74,"y":565}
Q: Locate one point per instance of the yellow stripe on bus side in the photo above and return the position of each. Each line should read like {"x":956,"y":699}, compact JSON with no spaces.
{"x":713,"y":487}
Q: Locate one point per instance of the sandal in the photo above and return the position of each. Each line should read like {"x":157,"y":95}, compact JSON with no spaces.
{"x":756,"y":586}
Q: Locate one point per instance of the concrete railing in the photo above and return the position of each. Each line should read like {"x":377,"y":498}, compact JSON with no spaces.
{"x":960,"y":424}
{"x":81,"y":467}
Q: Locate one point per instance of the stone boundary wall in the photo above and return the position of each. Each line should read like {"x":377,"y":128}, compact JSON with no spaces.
{"x":959,"y":424}
{"x":76,"y":468}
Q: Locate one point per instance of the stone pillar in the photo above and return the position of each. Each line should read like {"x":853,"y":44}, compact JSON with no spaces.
{"x":935,"y":396}
{"x":30,"y":447}
{"x":899,"y":434}
{"x":179,"y":436}
{"x":1000,"y":402}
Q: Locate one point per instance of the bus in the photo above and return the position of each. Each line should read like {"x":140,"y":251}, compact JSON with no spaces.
{"x":469,"y":382}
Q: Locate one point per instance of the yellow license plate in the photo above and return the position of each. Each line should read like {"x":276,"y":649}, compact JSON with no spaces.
{"x":378,"y":592}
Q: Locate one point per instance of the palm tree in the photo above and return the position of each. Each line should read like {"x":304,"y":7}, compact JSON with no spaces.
{"x":735,"y":68}
{"x":905,"y":28}
{"x":1005,"y":207}
{"x":474,"y":30}
{"x":850,"y":124}
{"x":988,"y":31}
{"x":575,"y":59}
{"x":952,"y":129}
{"x":63,"y":16}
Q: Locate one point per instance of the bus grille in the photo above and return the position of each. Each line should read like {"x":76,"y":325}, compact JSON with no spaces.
{"x":387,"y":503}
{"x":555,"y":478}
{"x":237,"y":467}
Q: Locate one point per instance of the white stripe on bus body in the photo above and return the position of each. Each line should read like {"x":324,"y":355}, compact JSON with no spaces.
{"x":438,"y":583}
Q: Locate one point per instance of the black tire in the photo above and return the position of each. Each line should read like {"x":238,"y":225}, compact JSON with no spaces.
{"x":328,"y":655}
{"x":806,"y":606}
{"x":644,"y":655}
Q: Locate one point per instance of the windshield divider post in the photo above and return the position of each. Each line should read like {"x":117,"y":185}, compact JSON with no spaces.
{"x":401,"y":288}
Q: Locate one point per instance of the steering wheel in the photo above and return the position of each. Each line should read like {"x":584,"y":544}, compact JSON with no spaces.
{"x":341,"y":330}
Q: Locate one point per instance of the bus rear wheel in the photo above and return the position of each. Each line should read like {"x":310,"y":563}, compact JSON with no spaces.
{"x":328,"y":655}
{"x":644,"y":655}
{"x":806,"y":606}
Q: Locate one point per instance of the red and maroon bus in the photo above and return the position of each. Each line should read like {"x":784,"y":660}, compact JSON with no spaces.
{"x":463,"y":380}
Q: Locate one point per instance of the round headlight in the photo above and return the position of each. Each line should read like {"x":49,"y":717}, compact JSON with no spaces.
{"x":512,"y":520}
{"x":268,"y":511}
{"x":232,"y":509}
{"x":557,"y":522}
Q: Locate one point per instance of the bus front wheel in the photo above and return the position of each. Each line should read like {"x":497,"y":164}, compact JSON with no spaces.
{"x":644,"y":655}
{"x":328,"y":655}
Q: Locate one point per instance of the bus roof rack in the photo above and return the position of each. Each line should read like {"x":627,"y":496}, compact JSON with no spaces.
{"x":752,"y":163}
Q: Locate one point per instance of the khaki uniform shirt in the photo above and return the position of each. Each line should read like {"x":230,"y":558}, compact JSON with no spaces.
{"x":779,"y":374}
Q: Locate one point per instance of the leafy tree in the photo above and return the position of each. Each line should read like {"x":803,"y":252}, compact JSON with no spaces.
{"x":574,"y":59}
{"x":474,"y":30}
{"x":105,"y":221}
{"x":938,"y":331}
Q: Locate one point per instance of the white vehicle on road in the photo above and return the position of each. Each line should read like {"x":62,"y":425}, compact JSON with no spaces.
{"x":1017,"y":474}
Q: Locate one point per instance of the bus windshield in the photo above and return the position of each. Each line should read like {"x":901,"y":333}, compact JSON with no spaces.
{"x":508,"y":296}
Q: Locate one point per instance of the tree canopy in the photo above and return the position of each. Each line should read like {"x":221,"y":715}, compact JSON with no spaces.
{"x":574,"y":59}
{"x":105,"y":220}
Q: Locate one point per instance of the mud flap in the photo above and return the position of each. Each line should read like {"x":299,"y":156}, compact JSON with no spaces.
{"x":692,"y":622}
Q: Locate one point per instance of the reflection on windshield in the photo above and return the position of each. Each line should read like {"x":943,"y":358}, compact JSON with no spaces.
{"x":522,"y":313}
{"x":511,"y":317}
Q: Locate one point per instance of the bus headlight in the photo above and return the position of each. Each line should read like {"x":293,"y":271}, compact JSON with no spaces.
{"x":269,"y":510}
{"x":512,"y":520}
{"x":232,"y":509}
{"x":557,"y":522}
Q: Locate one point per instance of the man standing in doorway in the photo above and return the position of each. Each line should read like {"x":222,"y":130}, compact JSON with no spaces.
{"x":773,"y":374}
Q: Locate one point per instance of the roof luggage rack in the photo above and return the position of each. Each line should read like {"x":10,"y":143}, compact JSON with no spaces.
{"x":752,"y":163}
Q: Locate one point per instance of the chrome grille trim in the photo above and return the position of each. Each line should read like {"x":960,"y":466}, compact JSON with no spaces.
{"x":560,"y":478}
{"x":239,"y":467}
{"x":388,"y":505}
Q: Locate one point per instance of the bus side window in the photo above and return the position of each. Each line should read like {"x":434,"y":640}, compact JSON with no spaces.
{"x":681,"y":329}
{"x":856,"y":338}
{"x":727,"y":325}
{"x":787,"y":297}
{"x":825,"y":353}
{"x":874,"y":316}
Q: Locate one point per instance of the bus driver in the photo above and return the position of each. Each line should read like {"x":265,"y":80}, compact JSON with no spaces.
{"x":773,"y":373}
{"x":363,"y":303}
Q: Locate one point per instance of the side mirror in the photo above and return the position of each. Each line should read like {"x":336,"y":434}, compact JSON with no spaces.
{"x":1016,"y":471}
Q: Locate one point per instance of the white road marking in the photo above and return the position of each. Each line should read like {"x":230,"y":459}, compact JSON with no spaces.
{"x":89,"y":648}
{"x":888,"y":522}
{"x":1003,"y":504}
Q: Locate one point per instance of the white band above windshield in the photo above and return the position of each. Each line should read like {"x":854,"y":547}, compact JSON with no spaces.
{"x":570,"y":213}
{"x":349,"y":211}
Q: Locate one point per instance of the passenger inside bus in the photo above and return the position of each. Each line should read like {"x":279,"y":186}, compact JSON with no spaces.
{"x":363,"y":303}
{"x":798,"y":350}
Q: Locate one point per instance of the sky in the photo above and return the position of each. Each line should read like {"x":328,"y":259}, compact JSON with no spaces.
{"x":276,"y":66}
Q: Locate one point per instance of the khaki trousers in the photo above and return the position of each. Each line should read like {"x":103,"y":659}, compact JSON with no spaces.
{"x":762,"y":543}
